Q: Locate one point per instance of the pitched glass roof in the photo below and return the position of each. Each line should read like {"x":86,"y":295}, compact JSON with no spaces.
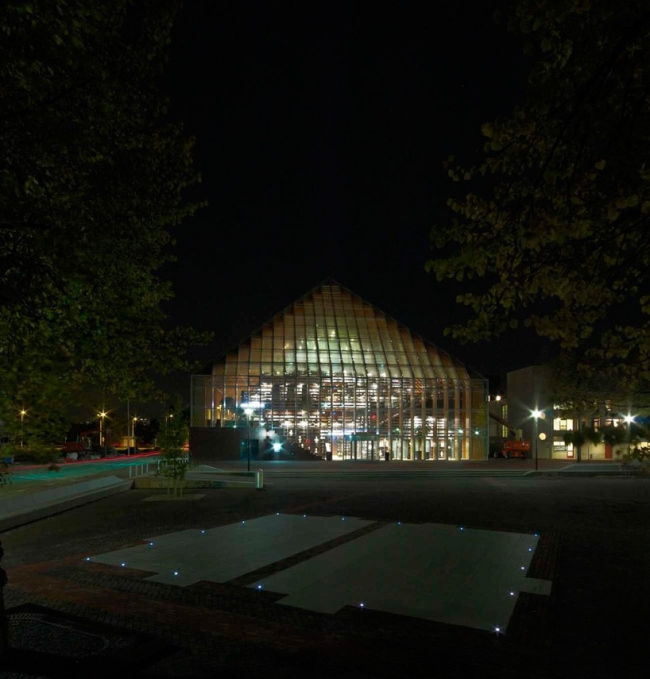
{"x":333,"y":332}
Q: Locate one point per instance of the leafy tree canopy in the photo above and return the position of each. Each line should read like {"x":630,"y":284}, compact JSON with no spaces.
{"x":553,"y":231}
{"x":93,"y":180}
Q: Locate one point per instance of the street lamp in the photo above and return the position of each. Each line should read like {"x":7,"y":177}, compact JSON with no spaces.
{"x":135,"y":419}
{"x":536,"y":415}
{"x":248,"y":412}
{"x":101,"y":416}
{"x":628,"y":420}
{"x":23,"y":412}
{"x":249,"y":409}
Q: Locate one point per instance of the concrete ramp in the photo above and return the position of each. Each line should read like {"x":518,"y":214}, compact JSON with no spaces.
{"x":21,"y":506}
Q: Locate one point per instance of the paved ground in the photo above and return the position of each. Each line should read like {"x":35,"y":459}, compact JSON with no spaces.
{"x":593,"y":546}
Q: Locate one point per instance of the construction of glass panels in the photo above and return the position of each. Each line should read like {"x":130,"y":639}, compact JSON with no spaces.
{"x":336,"y":376}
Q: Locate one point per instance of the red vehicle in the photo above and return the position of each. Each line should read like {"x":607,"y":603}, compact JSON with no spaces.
{"x":515,"y":449}
{"x":82,"y":446}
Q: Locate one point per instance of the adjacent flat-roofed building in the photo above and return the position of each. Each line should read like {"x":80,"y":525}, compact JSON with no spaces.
{"x":335,"y":376}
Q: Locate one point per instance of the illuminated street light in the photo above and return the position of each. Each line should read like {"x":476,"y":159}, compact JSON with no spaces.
{"x":628,"y":420}
{"x":23,"y":412}
{"x":536,"y":415}
{"x":135,"y":419}
{"x":101,"y":416}
{"x":248,"y":412}
{"x":249,"y":409}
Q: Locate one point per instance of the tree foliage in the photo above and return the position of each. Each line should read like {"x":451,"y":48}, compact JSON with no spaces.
{"x":172,"y":439}
{"x":553,"y":231}
{"x":93,"y":181}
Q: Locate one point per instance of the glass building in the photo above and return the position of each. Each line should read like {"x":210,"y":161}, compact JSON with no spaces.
{"x":335,"y":376}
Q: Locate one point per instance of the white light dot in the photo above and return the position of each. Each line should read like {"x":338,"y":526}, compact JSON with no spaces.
{"x":175,"y":572}
{"x":512,"y":593}
{"x":87,"y":558}
{"x":462,"y":528}
{"x":399,"y":523}
{"x":277,"y":513}
{"x":361,"y":605}
{"x":523,"y":568}
{"x":530,"y":549}
{"x":536,"y":535}
{"x":202,"y":532}
{"x":342,"y":518}
{"x":259,"y":587}
{"x":304,"y":516}
{"x":123,"y":565}
{"x":497,"y":629}
{"x":151,"y":544}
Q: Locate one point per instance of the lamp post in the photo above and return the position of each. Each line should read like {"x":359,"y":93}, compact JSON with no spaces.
{"x":628,"y":420}
{"x":249,"y":409}
{"x":23,"y":412}
{"x":249,"y":412}
{"x":135,"y":419}
{"x":536,"y":415}
{"x":101,"y":416}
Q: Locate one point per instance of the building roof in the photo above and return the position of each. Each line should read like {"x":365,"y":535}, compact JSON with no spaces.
{"x":332,"y":331}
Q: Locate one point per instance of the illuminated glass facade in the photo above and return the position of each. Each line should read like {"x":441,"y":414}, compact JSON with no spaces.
{"x":336,"y":376}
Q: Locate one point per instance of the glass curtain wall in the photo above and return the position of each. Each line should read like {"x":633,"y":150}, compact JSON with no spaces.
{"x":336,"y":376}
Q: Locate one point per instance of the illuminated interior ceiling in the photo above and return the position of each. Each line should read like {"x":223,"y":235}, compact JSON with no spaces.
{"x":333,"y":332}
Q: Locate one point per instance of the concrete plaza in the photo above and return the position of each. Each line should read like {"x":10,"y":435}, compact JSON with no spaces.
{"x":358,"y":574}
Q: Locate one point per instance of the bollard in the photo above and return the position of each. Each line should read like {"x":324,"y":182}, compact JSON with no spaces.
{"x":259,"y":480}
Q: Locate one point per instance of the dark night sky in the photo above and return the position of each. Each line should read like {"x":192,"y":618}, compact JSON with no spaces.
{"x":321,"y":130}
